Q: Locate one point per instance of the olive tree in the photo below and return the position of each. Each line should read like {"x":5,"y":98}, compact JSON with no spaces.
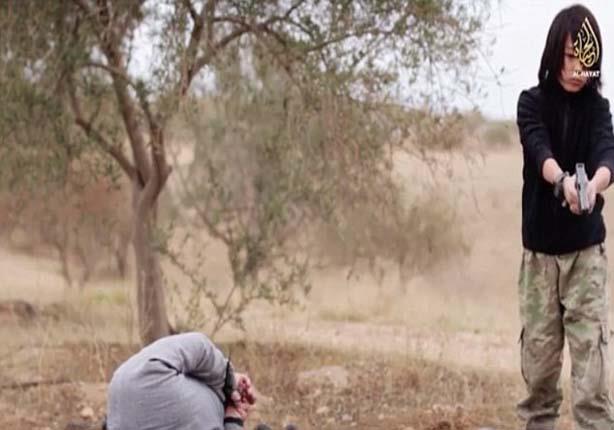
{"x":79,"y":56}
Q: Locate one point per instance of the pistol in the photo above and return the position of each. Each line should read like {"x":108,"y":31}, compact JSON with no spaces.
{"x":581,"y":187}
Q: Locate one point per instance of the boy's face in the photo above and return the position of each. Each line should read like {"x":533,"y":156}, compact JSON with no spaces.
{"x":570,"y":77}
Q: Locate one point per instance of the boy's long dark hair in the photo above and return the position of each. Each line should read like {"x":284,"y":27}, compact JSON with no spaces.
{"x":567,"y":21}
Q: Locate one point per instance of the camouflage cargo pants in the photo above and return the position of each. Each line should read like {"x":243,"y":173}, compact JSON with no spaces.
{"x":565,"y":295}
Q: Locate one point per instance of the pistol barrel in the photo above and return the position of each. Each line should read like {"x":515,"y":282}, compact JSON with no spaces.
{"x":582,"y":188}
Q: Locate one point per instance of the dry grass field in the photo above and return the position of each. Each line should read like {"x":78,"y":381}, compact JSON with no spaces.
{"x":439,"y":352}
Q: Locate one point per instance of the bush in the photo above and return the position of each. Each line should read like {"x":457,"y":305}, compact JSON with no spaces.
{"x":415,"y":236}
{"x":498,"y":134}
{"x":81,"y":219}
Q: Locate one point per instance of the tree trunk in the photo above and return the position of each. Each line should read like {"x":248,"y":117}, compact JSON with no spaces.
{"x":121,"y":259}
{"x":61,"y":245}
{"x":153,"y":321}
{"x":86,"y":264}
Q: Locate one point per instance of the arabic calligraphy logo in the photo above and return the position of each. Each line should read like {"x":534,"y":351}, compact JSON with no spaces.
{"x":586,"y":45}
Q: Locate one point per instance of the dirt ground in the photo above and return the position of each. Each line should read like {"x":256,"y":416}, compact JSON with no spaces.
{"x":383,"y":391}
{"x":440,"y":352}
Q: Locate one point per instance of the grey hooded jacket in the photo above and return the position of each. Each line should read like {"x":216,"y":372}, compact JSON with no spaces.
{"x":174,"y":383}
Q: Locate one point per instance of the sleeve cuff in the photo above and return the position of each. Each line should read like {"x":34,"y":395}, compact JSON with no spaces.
{"x":610,"y":166}
{"x":231,"y":423}
{"x":542,"y":156}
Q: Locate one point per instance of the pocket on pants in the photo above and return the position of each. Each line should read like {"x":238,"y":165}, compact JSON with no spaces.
{"x":603,"y":349}
{"x":595,"y":379}
{"x":523,"y":355}
{"x":605,"y":335}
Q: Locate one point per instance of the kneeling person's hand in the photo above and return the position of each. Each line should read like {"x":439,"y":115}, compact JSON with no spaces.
{"x":237,"y":408}
{"x":245,"y":388}
{"x":242,"y":399}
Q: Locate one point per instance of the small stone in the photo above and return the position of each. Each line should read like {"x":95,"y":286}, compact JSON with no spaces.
{"x":380,"y":417}
{"x":346,"y":418}
{"x":322,"y":410}
{"x":87,"y":413}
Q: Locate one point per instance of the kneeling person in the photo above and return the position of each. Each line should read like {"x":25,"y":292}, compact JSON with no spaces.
{"x":180,"y":382}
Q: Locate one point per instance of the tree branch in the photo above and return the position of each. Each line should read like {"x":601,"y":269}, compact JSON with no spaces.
{"x":292,"y":8}
{"x":104,"y":13}
{"x":208,"y":56}
{"x":157,"y":148}
{"x":190,"y":7}
{"x":200,"y":211}
{"x":212,"y":49}
{"x":126,"y":107}
{"x":193,"y":64}
{"x":187,"y":68}
{"x":110,"y":45}
{"x":124,"y":24}
{"x":113,"y":71}
{"x":158,"y":154}
{"x":115,"y":151}
{"x":30,"y":384}
{"x":210,"y":15}
{"x":83,"y":5}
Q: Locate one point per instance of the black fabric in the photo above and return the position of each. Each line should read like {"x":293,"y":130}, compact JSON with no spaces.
{"x":571,"y":128}
{"x":233,"y":420}
{"x":229,"y":384}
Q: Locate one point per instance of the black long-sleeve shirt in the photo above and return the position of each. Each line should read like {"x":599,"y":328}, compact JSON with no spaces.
{"x":571,"y":128}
